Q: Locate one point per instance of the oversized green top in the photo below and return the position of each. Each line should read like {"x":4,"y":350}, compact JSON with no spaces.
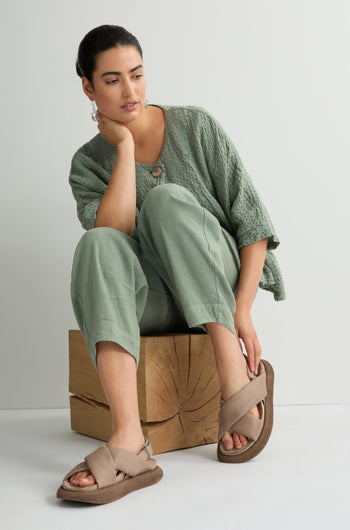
{"x":200,"y":156}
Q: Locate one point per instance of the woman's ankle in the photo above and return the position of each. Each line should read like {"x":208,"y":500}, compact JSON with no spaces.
{"x":127,"y":429}
{"x":232,"y":380}
{"x":129,"y":438}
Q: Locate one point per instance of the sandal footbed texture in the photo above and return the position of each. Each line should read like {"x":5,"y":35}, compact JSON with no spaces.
{"x":234,"y":415}
{"x":117,"y":472}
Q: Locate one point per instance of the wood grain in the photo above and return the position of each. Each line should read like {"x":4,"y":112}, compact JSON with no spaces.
{"x":178,"y":391}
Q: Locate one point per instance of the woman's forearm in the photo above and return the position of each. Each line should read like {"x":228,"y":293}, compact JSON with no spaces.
{"x":117,"y":208}
{"x":252,"y":262}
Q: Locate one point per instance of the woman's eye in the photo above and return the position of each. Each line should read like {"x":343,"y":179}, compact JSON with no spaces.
{"x":116,"y":81}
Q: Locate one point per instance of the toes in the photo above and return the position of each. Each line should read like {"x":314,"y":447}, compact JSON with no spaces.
{"x":232,"y":439}
{"x":243,"y":439}
{"x":236,"y":438}
{"x":83,"y":479}
{"x":227,"y":441}
{"x":73,"y":479}
{"x":87,"y":481}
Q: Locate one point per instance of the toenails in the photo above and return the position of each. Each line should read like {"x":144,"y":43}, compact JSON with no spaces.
{"x":237,"y":441}
{"x":82,"y":479}
{"x":243,"y":439}
{"x":233,"y":440}
{"x":227,"y":441}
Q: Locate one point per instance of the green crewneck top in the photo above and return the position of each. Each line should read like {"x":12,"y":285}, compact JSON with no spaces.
{"x":200,"y":156}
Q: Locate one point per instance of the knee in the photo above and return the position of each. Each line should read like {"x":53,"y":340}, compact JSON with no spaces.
{"x":104,"y":251}
{"x":164,"y":202}
{"x":100,"y":242}
{"x":100,"y":237}
{"x":94,"y":239}
{"x":95,"y":236}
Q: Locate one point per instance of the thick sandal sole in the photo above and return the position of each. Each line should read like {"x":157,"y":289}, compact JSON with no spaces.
{"x":113,"y":492}
{"x":259,"y":445}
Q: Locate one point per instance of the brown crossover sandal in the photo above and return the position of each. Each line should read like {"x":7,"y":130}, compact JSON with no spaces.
{"x":234,"y":415}
{"x":117,"y":472}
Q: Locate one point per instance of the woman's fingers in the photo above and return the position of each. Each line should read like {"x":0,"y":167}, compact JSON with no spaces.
{"x":255,"y":355}
{"x":252,"y":352}
{"x":112,"y":131}
{"x":238,"y":337}
{"x":249,"y":346}
{"x":245,"y":331}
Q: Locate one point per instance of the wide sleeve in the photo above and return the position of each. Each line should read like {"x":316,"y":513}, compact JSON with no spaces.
{"x":88,"y":181}
{"x":234,"y":188}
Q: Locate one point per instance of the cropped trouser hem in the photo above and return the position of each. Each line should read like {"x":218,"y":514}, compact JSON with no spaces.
{"x":107,"y":332}
{"x":197,"y":315}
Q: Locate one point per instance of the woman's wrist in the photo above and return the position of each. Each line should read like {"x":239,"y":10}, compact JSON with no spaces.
{"x":127,"y":143}
{"x":125,"y":153}
{"x":243,"y":306}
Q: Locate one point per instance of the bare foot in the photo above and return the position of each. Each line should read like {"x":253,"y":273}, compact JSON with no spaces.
{"x":131,"y":440}
{"x":232,"y":439}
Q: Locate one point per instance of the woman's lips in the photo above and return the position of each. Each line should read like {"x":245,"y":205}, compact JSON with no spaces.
{"x":130,"y":106}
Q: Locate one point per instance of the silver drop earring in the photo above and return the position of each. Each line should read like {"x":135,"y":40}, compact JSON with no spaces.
{"x":146,"y":103}
{"x":94,"y":112}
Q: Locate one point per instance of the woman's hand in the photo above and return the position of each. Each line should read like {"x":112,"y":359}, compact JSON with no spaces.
{"x":113,"y":132}
{"x":245,"y":331}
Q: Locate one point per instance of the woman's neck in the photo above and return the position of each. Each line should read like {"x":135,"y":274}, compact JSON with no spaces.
{"x":148,"y":132}
{"x":142,"y":126}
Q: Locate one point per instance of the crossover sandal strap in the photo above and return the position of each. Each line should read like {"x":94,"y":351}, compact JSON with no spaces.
{"x":250,"y":426}
{"x":240,"y":403}
{"x":132,"y":464}
{"x":104,"y":462}
{"x":101,"y":465}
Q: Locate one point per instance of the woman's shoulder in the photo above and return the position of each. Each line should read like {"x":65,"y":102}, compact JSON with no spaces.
{"x":186,"y":111}
{"x":96,"y":149}
{"x":191,"y":117}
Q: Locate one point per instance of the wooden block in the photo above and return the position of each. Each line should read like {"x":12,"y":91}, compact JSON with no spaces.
{"x":178,"y":391}
{"x":83,"y":378}
{"x":90,"y":418}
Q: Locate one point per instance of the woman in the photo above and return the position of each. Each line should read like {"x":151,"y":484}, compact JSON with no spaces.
{"x":177,"y":238}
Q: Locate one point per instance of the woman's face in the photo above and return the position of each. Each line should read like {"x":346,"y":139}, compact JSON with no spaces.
{"x":119,"y":84}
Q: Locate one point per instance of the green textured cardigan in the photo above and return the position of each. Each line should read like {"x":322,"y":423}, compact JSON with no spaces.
{"x":198,"y":155}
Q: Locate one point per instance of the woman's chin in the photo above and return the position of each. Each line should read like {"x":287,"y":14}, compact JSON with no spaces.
{"x":125,"y":117}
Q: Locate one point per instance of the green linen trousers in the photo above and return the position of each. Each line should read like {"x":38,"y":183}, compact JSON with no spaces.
{"x":181,"y":273}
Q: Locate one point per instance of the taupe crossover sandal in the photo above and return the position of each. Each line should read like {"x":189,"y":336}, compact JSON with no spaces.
{"x":117,"y":472}
{"x":234,"y":415}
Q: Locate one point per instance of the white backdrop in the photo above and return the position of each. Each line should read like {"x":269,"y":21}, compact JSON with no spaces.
{"x":275,"y":73}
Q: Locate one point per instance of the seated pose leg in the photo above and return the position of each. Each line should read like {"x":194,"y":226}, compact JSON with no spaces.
{"x":117,"y":295}
{"x":199,"y":261}
{"x":117,"y":371}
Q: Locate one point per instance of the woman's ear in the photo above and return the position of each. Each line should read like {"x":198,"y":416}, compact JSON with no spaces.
{"x":87,"y":87}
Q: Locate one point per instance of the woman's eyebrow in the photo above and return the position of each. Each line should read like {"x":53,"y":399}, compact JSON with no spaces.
{"x":119,"y":73}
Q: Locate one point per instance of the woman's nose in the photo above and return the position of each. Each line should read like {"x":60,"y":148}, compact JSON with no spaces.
{"x":127,"y":89}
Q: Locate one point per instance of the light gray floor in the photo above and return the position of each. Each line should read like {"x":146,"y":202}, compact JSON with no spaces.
{"x":299,"y":481}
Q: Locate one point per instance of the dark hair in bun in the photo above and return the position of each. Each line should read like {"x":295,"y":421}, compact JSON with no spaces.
{"x":99,"y":40}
